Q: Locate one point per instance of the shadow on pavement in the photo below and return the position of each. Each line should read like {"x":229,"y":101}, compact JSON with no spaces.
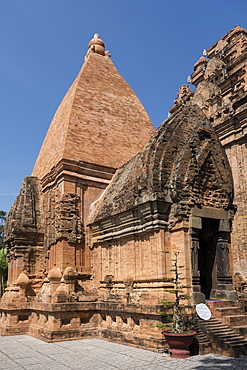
{"x":213,"y":362}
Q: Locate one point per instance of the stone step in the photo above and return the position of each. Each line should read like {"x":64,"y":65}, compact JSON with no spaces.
{"x":238,"y":350}
{"x":224,"y":334}
{"x":215,"y":322}
{"x":221,"y":303}
{"x":234,"y":320}
{"x":205,"y":348}
{"x":241,"y":329}
{"x":216,"y":325}
{"x":227,"y":311}
{"x":233,"y":336}
{"x":233,"y":341}
{"x":218,"y":328}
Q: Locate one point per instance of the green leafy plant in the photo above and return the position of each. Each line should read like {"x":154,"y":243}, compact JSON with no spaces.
{"x":180,"y":320}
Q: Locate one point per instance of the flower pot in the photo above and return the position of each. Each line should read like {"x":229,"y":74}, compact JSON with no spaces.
{"x":179,"y":343}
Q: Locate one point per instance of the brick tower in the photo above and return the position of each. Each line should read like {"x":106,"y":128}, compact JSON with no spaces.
{"x":99,"y":125}
{"x":220,"y":78}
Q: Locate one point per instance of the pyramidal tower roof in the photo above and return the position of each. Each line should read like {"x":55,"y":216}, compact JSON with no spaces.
{"x":100,"y":120}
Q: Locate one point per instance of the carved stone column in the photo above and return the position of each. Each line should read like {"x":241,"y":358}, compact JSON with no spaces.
{"x":197,"y":295}
{"x":225,"y":288}
{"x":194,"y":257}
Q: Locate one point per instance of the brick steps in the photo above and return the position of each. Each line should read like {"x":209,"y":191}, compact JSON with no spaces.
{"x":241,"y":329}
{"x":221,"y":336}
{"x":227,"y":328}
{"x":227,"y":311}
{"x":201,"y":344}
{"x":221,"y":303}
{"x":234,"y":320}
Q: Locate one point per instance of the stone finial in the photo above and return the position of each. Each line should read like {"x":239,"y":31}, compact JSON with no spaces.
{"x":54,"y":275}
{"x":69,"y":277}
{"x":22,"y":280}
{"x":96,"y":45}
{"x":61,"y":294}
{"x":69,"y":274}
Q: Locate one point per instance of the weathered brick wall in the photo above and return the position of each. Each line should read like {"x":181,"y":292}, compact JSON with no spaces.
{"x":132,"y":268}
{"x":237,"y":155}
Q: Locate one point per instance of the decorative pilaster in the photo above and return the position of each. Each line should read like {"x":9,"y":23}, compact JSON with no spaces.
{"x":194,"y":257}
{"x":225,"y":288}
{"x":197,"y":295}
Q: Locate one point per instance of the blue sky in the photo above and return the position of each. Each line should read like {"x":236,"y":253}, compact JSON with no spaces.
{"x":154,"y":44}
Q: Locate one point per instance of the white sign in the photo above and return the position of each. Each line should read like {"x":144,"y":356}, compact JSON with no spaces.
{"x":203,"y":311}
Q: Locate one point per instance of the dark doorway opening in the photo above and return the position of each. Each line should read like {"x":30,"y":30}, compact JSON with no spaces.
{"x":207,"y":257}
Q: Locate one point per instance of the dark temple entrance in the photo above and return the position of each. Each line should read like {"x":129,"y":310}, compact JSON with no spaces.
{"x":207,"y":257}
{"x":210,"y":240}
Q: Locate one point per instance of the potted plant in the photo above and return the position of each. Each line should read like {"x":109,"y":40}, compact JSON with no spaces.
{"x":180,"y":334}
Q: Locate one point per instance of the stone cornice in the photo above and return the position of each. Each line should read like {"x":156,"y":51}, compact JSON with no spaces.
{"x":87,"y":173}
{"x":149,"y":216}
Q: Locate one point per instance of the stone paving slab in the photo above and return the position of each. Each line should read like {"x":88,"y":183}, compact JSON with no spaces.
{"x":24,"y":352}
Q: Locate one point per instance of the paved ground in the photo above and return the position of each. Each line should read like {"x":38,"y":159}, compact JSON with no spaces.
{"x":24,"y":352}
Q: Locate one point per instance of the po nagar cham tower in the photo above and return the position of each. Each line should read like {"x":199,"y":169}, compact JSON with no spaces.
{"x":92,"y":234}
